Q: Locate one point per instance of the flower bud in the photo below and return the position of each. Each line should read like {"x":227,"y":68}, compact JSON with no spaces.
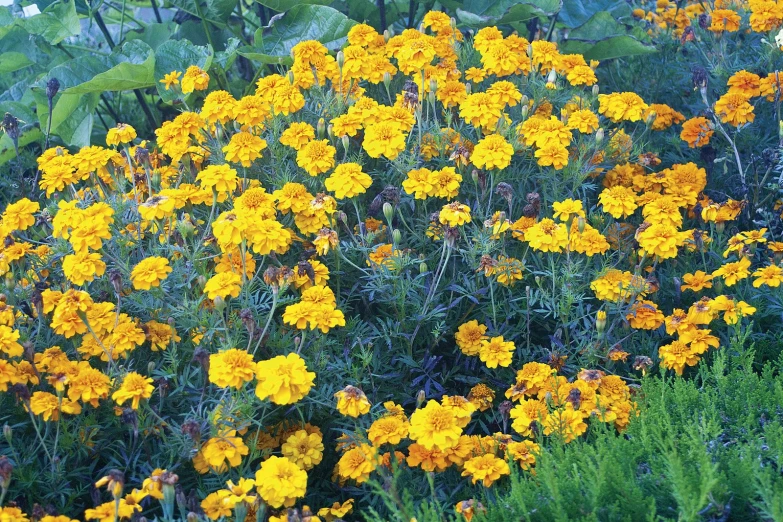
{"x":192,"y":517}
{"x":330,"y":131}
{"x":346,"y":142}
{"x":433,"y":85}
{"x":596,"y":90}
{"x":396,"y":236}
{"x":388,"y":211}
{"x":52,"y":86}
{"x":201,"y":281}
{"x":474,"y":175}
{"x":420,"y":398}
{"x":321,"y":128}
{"x":580,"y":224}
{"x":599,"y":137}
{"x":8,"y":433}
{"x":340,"y":59}
{"x":386,"y":79}
{"x":552,"y":76}
{"x":650,"y":118}
{"x":290,"y":77}
{"x":220,"y":303}
{"x":10,"y":281}
{"x":150,"y":367}
{"x":600,"y":321}
{"x":525,"y":110}
{"x":423,"y":267}
{"x":468,"y":88}
{"x":780,"y":129}
{"x":387,"y":34}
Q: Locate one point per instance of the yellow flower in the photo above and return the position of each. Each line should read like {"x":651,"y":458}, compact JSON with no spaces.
{"x":496,"y":352}
{"x":19,"y":215}
{"x":49,"y":406}
{"x":223,"y":285}
{"x":348,"y":181}
{"x":492,"y":152}
{"x":435,"y":427}
{"x":122,"y":133}
{"x":304,"y":449}
{"x":696,"y":281}
{"x":696,"y":132}
{"x":733,"y":272}
{"x":224,"y":451}
{"x":134,"y":388}
{"x":231,"y":368}
{"x":83,"y":267}
{"x":724,"y":20}
{"x":88,"y":385}
{"x":470,"y":336}
{"x":547,"y":236}
{"x":244,"y":148}
{"x":297,"y":135}
{"x":283,"y":379}
{"x":734,"y":108}
{"x":352,"y":401}
{"x":316,"y":157}
{"x":676,"y":355}
{"x":195,"y":79}
{"x":771,"y":276}
{"x":357,"y":463}
{"x":220,"y":178}
{"x":219,"y":106}
{"x":455,"y":214}
{"x":8,"y":341}
{"x":619,"y":201}
{"x":486,"y":468}
{"x":566,"y":422}
{"x":150,"y":272}
{"x":622,"y":106}
{"x":389,"y":429}
{"x":527,"y":414}
{"x":170,"y":79}
{"x":553,"y":155}
{"x":280,"y":482}
{"x":567,"y":209}
{"x":385,"y":139}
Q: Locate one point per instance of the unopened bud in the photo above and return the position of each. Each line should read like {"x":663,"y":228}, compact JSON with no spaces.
{"x":387,"y":34}
{"x":433,"y":85}
{"x":474,"y":176}
{"x":396,"y":236}
{"x":780,"y":129}
{"x":10,"y":281}
{"x":201,"y":281}
{"x":8,"y":433}
{"x":468,"y":88}
{"x":423,"y":267}
{"x":599,"y":136}
{"x":386,"y":79}
{"x":650,"y":118}
{"x":340,"y":59}
{"x":420,"y":398}
{"x":330,"y":131}
{"x":290,"y":77}
{"x":525,"y":110}
{"x":552,"y":76}
{"x":52,"y":86}
{"x":346,"y":141}
{"x":600,"y":321}
{"x":388,"y":211}
{"x":219,"y":302}
{"x":596,"y":90}
{"x":192,"y":517}
{"x":321,"y":128}
{"x":580,"y":224}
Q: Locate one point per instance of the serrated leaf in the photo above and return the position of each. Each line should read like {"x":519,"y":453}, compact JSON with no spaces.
{"x":178,"y":55}
{"x":153,"y":34}
{"x":481,"y":13}
{"x":226,"y":58}
{"x":274,"y":42}
{"x":135,"y":69}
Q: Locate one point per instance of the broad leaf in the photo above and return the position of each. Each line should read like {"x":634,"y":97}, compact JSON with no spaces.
{"x":577,"y":12}
{"x":274,"y":42}
{"x":618,"y":47}
{"x":478,"y":13}
{"x":135,"y":69}
{"x":153,"y":34}
{"x":216,"y":11}
{"x":13,"y":61}
{"x":178,"y":55}
{"x":285,"y":5}
{"x":56,"y":23}
{"x":600,"y":26}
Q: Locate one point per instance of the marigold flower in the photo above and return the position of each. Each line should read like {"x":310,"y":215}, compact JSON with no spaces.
{"x":470,"y":336}
{"x":244,"y":148}
{"x":486,"y":468}
{"x":455,"y":214}
{"x":434,"y":427}
{"x":348,"y":181}
{"x":150,"y":272}
{"x":385,"y":139}
{"x":496,"y":352}
{"x":195,"y":79}
{"x":358,"y":463}
{"x":122,"y":133}
{"x":283,"y":379}
{"x":134,"y":388}
{"x":492,"y":152}
{"x":231,"y":368}
{"x":352,"y":401}
{"x":280,"y":482}
{"x":223,"y":285}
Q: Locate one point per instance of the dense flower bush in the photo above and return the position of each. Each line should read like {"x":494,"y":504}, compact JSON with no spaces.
{"x":426,"y":253}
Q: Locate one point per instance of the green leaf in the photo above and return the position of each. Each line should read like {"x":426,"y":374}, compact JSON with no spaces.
{"x":274,"y":42}
{"x":600,"y":26}
{"x":153,"y":35}
{"x":226,"y":58}
{"x":618,"y":47}
{"x":72,"y":116}
{"x":56,"y":23}
{"x":13,"y":61}
{"x":577,"y":12}
{"x":285,"y":5}
{"x":135,"y":70}
{"x":215,"y":11}
{"x":178,"y":55}
{"x":481,"y":13}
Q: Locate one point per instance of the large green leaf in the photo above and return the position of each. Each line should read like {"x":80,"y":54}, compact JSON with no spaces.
{"x":153,"y":34}
{"x":577,"y":12}
{"x":215,"y":11}
{"x":274,"y":42}
{"x":618,"y":47}
{"x":13,"y":61}
{"x":600,"y":26}
{"x":56,"y":23}
{"x":135,"y":69}
{"x":178,"y":55}
{"x":480,"y":13}
{"x":285,"y":5}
